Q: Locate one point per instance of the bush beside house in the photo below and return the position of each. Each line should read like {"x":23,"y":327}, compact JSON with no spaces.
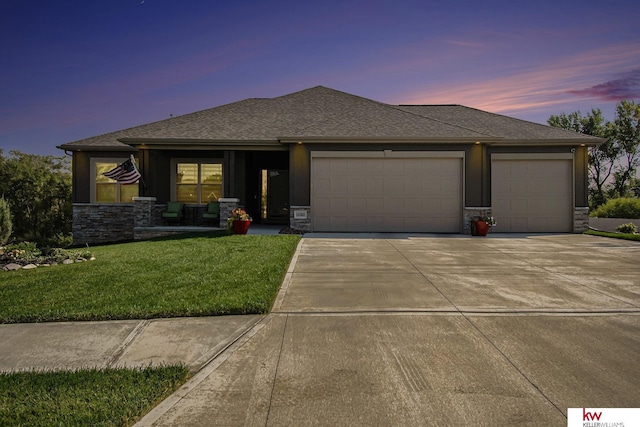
{"x":616,"y":213}
{"x":629,"y":228}
{"x":624,"y":207}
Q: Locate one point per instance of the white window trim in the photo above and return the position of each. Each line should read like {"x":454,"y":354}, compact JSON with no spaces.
{"x":92,"y":172}
{"x":199,"y":161}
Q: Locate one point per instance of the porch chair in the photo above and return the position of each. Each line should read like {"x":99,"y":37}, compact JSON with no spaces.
{"x":213,"y":212}
{"x":174,"y":212}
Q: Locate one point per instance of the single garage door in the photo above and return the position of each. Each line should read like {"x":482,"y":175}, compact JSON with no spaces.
{"x":353,"y":192}
{"x":532,"y":195}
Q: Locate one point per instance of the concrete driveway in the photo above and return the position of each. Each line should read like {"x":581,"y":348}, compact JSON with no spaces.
{"x":429,"y":330}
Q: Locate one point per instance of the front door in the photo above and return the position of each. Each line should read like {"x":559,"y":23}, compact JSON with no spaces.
{"x":274,"y":198}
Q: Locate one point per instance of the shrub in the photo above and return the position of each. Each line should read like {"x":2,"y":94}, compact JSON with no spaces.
{"x":28,"y":253}
{"x":619,"y":208}
{"x":22,"y":253}
{"x":629,"y":228}
{"x":5,"y":221}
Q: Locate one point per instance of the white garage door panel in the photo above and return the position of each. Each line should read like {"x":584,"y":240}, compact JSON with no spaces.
{"x":532,"y":195}
{"x":387,"y":194}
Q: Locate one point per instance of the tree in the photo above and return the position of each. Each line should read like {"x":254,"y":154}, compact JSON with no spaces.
{"x":634,"y":187}
{"x":5,"y":221}
{"x":38,"y":189}
{"x":602,"y":158}
{"x":625,"y":130}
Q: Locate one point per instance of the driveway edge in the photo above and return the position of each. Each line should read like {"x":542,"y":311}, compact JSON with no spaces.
{"x":287,"y":278}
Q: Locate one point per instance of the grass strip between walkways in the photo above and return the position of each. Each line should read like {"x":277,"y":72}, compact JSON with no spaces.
{"x":94,"y":397}
{"x":204,"y":275}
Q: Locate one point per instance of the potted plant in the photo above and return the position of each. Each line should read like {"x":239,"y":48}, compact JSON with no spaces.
{"x":480,"y":224}
{"x":239,"y":221}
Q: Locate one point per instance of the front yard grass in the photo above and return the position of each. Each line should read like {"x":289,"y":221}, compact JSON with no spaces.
{"x":104,"y":397}
{"x":196,"y":276}
{"x":624,"y":236}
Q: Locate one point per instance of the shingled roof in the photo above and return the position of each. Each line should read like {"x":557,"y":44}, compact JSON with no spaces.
{"x":321,"y":114}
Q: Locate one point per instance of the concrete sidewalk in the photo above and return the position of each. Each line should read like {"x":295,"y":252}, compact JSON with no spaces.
{"x":192,"y":341}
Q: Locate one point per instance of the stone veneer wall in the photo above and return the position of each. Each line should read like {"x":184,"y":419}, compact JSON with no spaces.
{"x":470,"y":213}
{"x":580,"y":219}
{"x":303,"y":222}
{"x":105,"y":223}
{"x":102,"y":223}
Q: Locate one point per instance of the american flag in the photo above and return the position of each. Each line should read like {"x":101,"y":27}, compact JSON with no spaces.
{"x":125,"y":173}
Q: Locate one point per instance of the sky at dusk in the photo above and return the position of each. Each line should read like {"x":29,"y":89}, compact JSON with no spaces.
{"x":75,"y":69}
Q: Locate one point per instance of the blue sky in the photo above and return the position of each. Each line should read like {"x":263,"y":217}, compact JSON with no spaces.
{"x":73,"y":69}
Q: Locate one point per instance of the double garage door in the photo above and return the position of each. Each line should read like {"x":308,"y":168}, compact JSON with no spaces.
{"x":530,"y":194}
{"x":423,"y":192}
{"x":395,"y":192}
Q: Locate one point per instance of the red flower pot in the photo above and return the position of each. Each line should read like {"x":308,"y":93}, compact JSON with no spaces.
{"x":241,"y":226}
{"x":480,"y":228}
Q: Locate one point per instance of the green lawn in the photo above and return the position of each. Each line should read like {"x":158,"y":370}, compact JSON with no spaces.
{"x":624,"y":236}
{"x":106,"y":397}
{"x":196,"y":276}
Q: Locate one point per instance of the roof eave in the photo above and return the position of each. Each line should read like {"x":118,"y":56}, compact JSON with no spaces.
{"x":203,"y":144}
{"x":87,"y":147}
{"x":538,"y":142}
{"x":383,"y":140}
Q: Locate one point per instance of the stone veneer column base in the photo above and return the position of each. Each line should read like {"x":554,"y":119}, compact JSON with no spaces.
{"x":470,"y":213}
{"x":580,"y":219}
{"x":227,"y":204}
{"x":143,"y":211}
{"x":300,"y":218}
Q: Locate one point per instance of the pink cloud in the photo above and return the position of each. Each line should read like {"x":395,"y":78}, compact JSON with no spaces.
{"x":547,"y":85}
{"x":626,"y":87}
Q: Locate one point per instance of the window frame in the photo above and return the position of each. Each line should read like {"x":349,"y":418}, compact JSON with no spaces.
{"x":93,"y":187}
{"x":199,"y":161}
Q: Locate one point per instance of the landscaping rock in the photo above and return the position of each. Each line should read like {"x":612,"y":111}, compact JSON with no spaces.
{"x":12,"y":266}
{"x":29,"y":266}
{"x":67,"y":261}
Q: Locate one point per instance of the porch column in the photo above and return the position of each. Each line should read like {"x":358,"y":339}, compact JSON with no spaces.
{"x":143,"y":208}
{"x":472,"y":212}
{"x":227,"y":204}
